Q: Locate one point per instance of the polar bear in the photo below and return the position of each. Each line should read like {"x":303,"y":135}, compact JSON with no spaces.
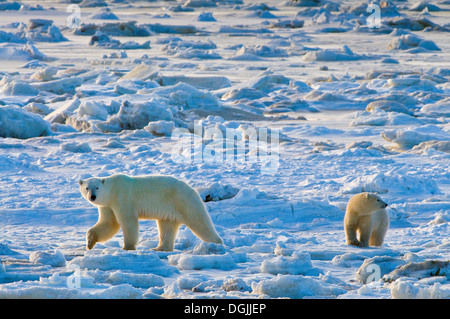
{"x":366,"y":214}
{"x":123,"y":200}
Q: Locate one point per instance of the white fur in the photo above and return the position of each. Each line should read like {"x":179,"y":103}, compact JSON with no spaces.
{"x":366,"y":214}
{"x":123,"y":200}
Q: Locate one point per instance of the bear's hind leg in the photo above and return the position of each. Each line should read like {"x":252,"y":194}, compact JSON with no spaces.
{"x":168,"y":230}
{"x":205,"y":230}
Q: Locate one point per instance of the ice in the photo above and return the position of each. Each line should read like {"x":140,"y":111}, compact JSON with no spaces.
{"x":10,"y":6}
{"x":341,"y":102}
{"x":381,"y":118}
{"x":136,"y":280}
{"x":161,"y":127}
{"x":40,"y":30}
{"x":420,"y":270}
{"x":413,"y":44}
{"x":125,"y":261}
{"x":421,"y":5}
{"x":388,"y":106}
{"x":22,"y":52}
{"x":415,"y":290}
{"x":332,"y":55}
{"x":297,"y":264}
{"x":295,"y":287}
{"x":51,"y":258}
{"x":104,"y":14}
{"x":441,"y":108}
{"x":407,"y":138}
{"x":114,"y":29}
{"x":206,"y":17}
{"x":197,"y":262}
{"x":374,"y":268}
{"x":389,"y":182}
{"x":217,"y":191}
{"x":102,"y":40}
{"x":17,"y":123}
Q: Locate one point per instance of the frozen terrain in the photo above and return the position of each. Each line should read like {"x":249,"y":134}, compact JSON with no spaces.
{"x":323,"y":99}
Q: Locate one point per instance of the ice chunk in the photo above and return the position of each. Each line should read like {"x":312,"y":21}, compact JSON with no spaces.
{"x":102,"y":40}
{"x":332,"y":55}
{"x":51,"y":258}
{"x":160,"y":127}
{"x":421,"y":5}
{"x":185,"y":96}
{"x":381,"y":118}
{"x":93,"y":3}
{"x":206,"y":17}
{"x":10,"y":85}
{"x":442,"y":146}
{"x":374,"y":268}
{"x":104,"y":14}
{"x":258,"y":51}
{"x":295,"y":287}
{"x":41,"y":30}
{"x":196,"y":262}
{"x":409,"y":289}
{"x":389,"y":106}
{"x":141,"y":72}
{"x":63,"y":112}
{"x":138,"y":262}
{"x":411,"y":41}
{"x":441,"y":108}
{"x":125,"y":29}
{"x":420,"y":270}
{"x":217,"y":191}
{"x":10,"y":6}
{"x":76,"y":147}
{"x":144,"y":281}
{"x":409,"y":137}
{"x":401,"y":182}
{"x":60,"y":86}
{"x":199,"y":82}
{"x":133,"y":116}
{"x":18,"y":123}
{"x":297,"y":264}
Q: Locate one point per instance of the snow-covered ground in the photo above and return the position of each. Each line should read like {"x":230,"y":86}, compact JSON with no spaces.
{"x":277,"y":112}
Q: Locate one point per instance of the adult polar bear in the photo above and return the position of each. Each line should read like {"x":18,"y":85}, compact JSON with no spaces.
{"x":123,"y":200}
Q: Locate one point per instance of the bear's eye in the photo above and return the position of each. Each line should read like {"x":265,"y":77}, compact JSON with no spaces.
{"x":87,"y":188}
{"x":96,"y":188}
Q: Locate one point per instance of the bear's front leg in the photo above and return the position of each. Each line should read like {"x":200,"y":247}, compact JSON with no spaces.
{"x":130,"y":230}
{"x":365,"y":230}
{"x":350,"y":234}
{"x":91,"y":239}
{"x":105,"y":228}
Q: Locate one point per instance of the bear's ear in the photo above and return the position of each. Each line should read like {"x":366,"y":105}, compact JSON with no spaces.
{"x":80,"y":182}
{"x":367,"y":195}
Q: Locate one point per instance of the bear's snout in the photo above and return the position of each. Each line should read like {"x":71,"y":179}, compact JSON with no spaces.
{"x":385,"y":205}
{"x":93,"y":197}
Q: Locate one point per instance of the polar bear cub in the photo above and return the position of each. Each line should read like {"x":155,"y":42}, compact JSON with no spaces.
{"x":123,"y":200}
{"x":366,"y":214}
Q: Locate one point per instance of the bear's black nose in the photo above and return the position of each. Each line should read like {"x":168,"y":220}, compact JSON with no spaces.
{"x":93,"y":197}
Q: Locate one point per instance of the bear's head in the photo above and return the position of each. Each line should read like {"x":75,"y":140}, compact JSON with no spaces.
{"x":373,"y":202}
{"x":95,"y":191}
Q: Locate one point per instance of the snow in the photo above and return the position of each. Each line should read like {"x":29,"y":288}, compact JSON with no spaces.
{"x":276,"y":112}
